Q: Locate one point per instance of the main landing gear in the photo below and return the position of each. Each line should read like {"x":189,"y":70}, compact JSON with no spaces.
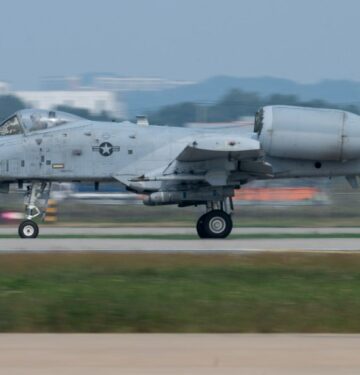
{"x":216,"y":223}
{"x":38,"y":192}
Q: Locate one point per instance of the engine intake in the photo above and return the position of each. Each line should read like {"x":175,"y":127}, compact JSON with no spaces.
{"x":308,"y":133}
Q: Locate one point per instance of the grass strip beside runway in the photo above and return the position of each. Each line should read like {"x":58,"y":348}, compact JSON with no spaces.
{"x":92,"y":292}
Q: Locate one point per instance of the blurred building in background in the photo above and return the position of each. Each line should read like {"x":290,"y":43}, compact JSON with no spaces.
{"x":137,"y":83}
{"x":110,"y":82}
{"x":96,"y":93}
{"x":96,"y":102}
{"x":61,"y":83}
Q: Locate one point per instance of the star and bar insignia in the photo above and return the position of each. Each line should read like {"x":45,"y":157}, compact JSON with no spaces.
{"x":106,"y":149}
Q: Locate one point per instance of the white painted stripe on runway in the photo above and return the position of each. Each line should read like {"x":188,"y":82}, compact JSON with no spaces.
{"x":146,"y":245}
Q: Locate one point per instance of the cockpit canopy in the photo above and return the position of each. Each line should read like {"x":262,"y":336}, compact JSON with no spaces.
{"x":11,"y":126}
{"x":29,"y":120}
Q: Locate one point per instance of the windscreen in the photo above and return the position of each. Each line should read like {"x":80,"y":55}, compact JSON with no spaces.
{"x":10,"y":127}
{"x":34,"y":120}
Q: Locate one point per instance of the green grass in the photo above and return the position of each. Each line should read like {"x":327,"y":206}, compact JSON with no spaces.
{"x":179,"y":293}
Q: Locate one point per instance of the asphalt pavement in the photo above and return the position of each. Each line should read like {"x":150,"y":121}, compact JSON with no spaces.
{"x":178,"y":354}
{"x":134,"y":230}
{"x":178,"y":245}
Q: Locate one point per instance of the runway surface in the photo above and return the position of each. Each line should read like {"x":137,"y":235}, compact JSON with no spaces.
{"x":94,"y":230}
{"x":175,"y":354}
{"x":178,"y":245}
{"x":205,"y":246}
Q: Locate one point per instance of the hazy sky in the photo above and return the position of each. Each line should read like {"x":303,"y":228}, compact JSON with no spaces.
{"x":305,"y":40}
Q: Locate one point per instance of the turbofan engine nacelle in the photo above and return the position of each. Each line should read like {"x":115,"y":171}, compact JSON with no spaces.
{"x":308,"y":133}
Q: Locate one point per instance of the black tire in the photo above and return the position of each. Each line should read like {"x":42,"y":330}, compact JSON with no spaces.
{"x":231,"y":224}
{"x":200,"y":227}
{"x":217,"y":224}
{"x":28,"y":229}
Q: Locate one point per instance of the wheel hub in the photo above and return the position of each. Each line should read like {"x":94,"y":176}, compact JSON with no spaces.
{"x":217,"y":224}
{"x":28,"y":230}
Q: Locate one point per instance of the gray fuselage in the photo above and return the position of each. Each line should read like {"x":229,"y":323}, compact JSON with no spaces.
{"x":96,"y":151}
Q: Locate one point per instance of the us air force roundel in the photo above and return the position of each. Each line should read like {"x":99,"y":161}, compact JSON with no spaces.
{"x":106,"y":149}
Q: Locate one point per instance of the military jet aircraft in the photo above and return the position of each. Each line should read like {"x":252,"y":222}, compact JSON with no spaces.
{"x":172,"y":165}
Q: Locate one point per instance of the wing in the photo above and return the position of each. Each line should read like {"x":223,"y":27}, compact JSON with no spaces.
{"x":217,"y":147}
{"x":218,"y":160}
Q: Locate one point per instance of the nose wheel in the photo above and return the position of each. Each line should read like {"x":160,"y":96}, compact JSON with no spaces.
{"x":214,"y":224}
{"x":28,"y":229}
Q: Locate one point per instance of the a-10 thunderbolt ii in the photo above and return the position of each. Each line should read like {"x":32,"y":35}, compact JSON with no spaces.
{"x":173,"y":165}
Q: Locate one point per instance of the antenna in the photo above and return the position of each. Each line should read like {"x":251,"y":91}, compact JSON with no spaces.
{"x":142,"y":121}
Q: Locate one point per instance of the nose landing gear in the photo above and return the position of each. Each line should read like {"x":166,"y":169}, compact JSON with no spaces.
{"x":28,"y":229}
{"x":36,"y":192}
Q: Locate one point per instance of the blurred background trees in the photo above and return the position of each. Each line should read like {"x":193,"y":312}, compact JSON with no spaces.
{"x":234,"y":105}
{"x":8,"y":105}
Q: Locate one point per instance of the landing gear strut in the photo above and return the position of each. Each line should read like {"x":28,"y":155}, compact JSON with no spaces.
{"x":216,"y":223}
{"x":36,"y":191}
